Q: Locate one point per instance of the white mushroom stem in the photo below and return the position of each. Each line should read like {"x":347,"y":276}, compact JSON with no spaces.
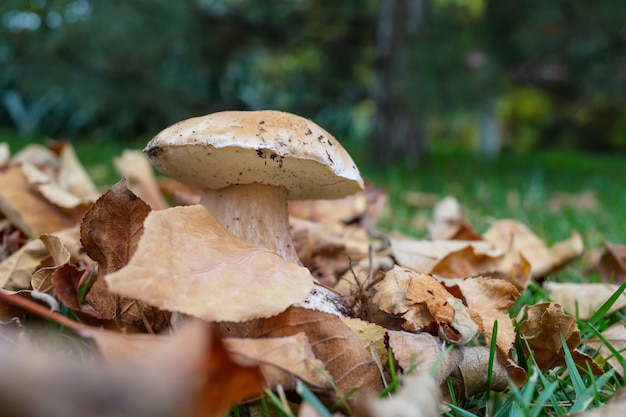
{"x":256,"y":213}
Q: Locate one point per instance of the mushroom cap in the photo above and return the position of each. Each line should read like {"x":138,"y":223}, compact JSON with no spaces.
{"x":267,"y":146}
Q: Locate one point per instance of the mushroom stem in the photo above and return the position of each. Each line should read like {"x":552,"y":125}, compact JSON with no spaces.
{"x":256,"y":213}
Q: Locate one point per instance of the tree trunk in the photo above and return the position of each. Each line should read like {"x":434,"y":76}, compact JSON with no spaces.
{"x":397,"y":131}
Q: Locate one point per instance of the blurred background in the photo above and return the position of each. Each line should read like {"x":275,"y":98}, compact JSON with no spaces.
{"x":394,"y":78}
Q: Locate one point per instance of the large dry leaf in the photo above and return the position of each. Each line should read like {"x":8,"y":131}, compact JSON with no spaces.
{"x":112,"y":227}
{"x":418,"y":396}
{"x":423,"y":353}
{"x":349,"y":364}
{"x":612,"y":266}
{"x":424,"y":255}
{"x":72,"y":176}
{"x":542,"y":330}
{"x":110,"y":233}
{"x":187,"y":262}
{"x":449,"y":222}
{"x":28,"y":210}
{"x":489,"y":298}
{"x":616,"y":336}
{"x":426,"y":305}
{"x":583,"y":300}
{"x":513,"y":235}
{"x":5,"y":153}
{"x":614,"y":408}
{"x":41,"y":280}
{"x":135,"y":167}
{"x":282,"y":360}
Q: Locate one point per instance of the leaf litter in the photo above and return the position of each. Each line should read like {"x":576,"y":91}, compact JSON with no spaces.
{"x":207,"y":322}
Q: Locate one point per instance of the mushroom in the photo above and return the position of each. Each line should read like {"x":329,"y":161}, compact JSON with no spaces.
{"x":248,"y":164}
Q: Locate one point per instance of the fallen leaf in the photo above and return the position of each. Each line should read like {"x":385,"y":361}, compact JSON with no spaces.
{"x":542,"y":330}
{"x":509,"y":235}
{"x":187,"y":262}
{"x":583,"y":300}
{"x":349,"y":364}
{"x":330,"y":212}
{"x":17,"y":270}
{"x":489,"y":298}
{"x":372,"y":336}
{"x":5,"y":153}
{"x":612,"y":266}
{"x":110,"y":232}
{"x":418,"y":396}
{"x":449,"y":222}
{"x":425,"y":255}
{"x":616,"y":336}
{"x":72,"y":176}
{"x":135,"y":167}
{"x":585,"y":201}
{"x":41,"y":280}
{"x":614,"y":408}
{"x":423,"y":353}
{"x":29,"y":211}
{"x":282,"y":360}
{"x":426,"y":305}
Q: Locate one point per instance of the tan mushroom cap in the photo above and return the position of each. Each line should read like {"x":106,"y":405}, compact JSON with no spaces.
{"x":268,"y":147}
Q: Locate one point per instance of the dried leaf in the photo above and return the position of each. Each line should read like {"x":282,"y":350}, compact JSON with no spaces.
{"x":449,"y":222}
{"x":612,"y":264}
{"x":424,"y":255}
{"x":423,"y":353}
{"x":372,"y":336}
{"x":349,"y":364}
{"x":17,"y":270}
{"x":135,"y":167}
{"x":282,"y":360}
{"x":5,"y":153}
{"x":542,"y":329}
{"x":41,"y":280}
{"x":425,"y":305}
{"x":330,"y":212}
{"x":186,"y":261}
{"x":583,"y":300}
{"x":72,"y":176}
{"x":29,"y":211}
{"x":418,"y":396}
{"x":513,"y":235}
{"x":614,"y":408}
{"x":616,"y":336}
{"x":489,"y":298}
{"x":585,"y":201}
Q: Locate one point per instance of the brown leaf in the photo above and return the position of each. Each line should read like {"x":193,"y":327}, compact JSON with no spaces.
{"x":28,"y":210}
{"x":614,"y":408}
{"x":418,"y":396}
{"x":17,"y":270}
{"x":584,"y":300}
{"x":422,"y":353}
{"x":41,"y":280}
{"x":282,"y":360}
{"x":616,"y":336}
{"x":330,"y":212}
{"x":425,"y":305}
{"x":338,"y":347}
{"x":112,"y":227}
{"x":542,"y":329}
{"x":5,"y":153}
{"x":372,"y":336}
{"x":512,"y":235}
{"x":135,"y":167}
{"x":449,"y":222}
{"x":186,"y":261}
{"x":489,"y":298}
{"x":613,"y":263}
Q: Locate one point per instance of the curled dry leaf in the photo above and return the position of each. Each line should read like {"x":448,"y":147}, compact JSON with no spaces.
{"x":542,"y":329}
{"x":513,"y":235}
{"x":28,"y":210}
{"x":426,"y":305}
{"x":418,"y":396}
{"x":282,"y":360}
{"x":187,"y":262}
{"x":109,"y":234}
{"x":423,"y":353}
{"x":346,"y":360}
{"x":489,"y":298}
{"x":616,"y":336}
{"x":41,"y":280}
{"x":135,"y":167}
{"x":584,"y":300}
{"x":449,"y":222}
{"x":612,"y":264}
